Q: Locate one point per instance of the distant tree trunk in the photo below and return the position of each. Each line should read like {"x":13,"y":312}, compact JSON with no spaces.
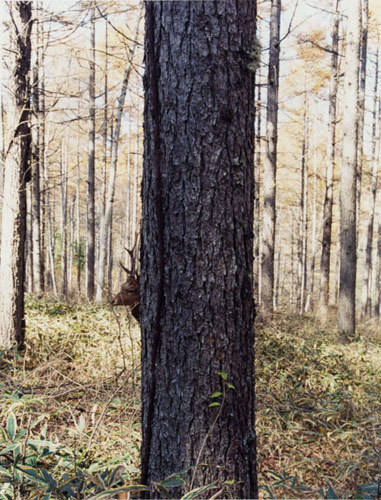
{"x":63,"y":175}
{"x":78,"y":225}
{"x":197,"y":245}
{"x":325,"y":261}
{"x":346,"y":311}
{"x":90,"y":261}
{"x":106,"y":220}
{"x":17,"y":173}
{"x":368,"y":269}
{"x":310,"y":293}
{"x":362,"y":91}
{"x":257,"y":196}
{"x":42,"y":155}
{"x":36,"y":169}
{"x":269,"y":174}
{"x":304,"y":207}
{"x":71,"y":245}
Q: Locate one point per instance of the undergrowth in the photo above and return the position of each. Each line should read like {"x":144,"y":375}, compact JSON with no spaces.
{"x":70,"y":408}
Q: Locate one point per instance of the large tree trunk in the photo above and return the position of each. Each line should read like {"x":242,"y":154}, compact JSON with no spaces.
{"x":269,"y":174}
{"x":325,"y":261}
{"x":346,"y":311}
{"x":17,"y":173}
{"x":197,"y":245}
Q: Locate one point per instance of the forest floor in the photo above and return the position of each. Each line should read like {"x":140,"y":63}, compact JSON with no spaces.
{"x":70,"y":407}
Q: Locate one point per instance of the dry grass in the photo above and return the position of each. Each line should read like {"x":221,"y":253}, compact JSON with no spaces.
{"x":318,"y":410}
{"x":318,"y":401}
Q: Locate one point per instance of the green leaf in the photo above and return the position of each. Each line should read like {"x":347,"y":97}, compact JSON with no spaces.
{"x":198,"y":491}
{"x":11,"y":426}
{"x":111,"y":493}
{"x":230,"y":385}
{"x":11,"y":447}
{"x":229,"y":482}
{"x":49,"y":479}
{"x":20,"y":434}
{"x":5,"y":471}
{"x":216,"y":394}
{"x":223,"y":375}
{"x":172,"y":482}
{"x":215,"y":403}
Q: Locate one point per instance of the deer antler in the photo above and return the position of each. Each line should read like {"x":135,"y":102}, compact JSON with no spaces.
{"x":132,"y":253}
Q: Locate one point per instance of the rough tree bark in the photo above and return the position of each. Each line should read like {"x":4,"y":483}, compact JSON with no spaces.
{"x":197,"y":244}
{"x":17,"y":173}
{"x":347,"y":291}
{"x":269,"y":173}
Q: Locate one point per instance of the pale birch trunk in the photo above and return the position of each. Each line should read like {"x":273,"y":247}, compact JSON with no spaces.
{"x":325,"y":261}
{"x":369,"y":254}
{"x":269,"y":175}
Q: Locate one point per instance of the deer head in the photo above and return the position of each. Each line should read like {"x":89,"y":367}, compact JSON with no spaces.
{"x":129,"y":291}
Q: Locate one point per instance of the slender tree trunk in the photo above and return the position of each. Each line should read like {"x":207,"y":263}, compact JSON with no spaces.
{"x":106,"y":221}
{"x":90,"y":261}
{"x":257,"y":196}
{"x":17,"y":173}
{"x":197,"y":245}
{"x":361,"y":111}
{"x":310,"y":292}
{"x":78,"y":225}
{"x":36,"y":168}
{"x":325,"y":261}
{"x":304,"y":207}
{"x":63,"y":175}
{"x":369,"y":257}
{"x":42,"y":157}
{"x":347,"y":307}
{"x":71,"y":245}
{"x":269,"y":174}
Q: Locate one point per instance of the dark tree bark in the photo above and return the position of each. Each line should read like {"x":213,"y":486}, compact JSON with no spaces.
{"x":17,"y":173}
{"x":197,"y":244}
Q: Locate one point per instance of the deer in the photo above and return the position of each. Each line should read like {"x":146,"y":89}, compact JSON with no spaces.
{"x":129,"y":291}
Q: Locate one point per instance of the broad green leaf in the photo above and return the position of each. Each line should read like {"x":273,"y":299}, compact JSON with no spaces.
{"x":223,"y":375}
{"x":9,"y":448}
{"x":215,"y":403}
{"x":216,"y":394}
